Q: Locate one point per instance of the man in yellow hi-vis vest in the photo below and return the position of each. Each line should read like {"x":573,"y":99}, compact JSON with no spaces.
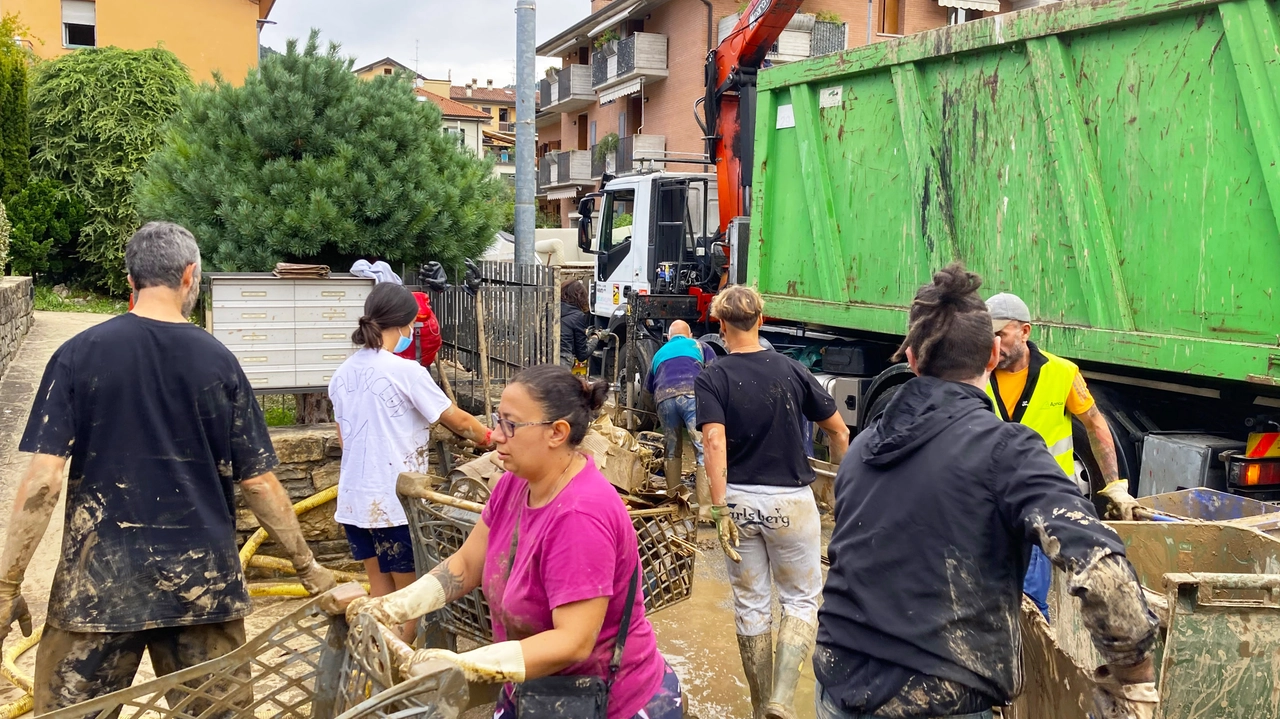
{"x":1043,"y":391}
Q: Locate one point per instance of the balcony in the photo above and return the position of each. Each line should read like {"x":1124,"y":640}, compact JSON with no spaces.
{"x":629,"y":156}
{"x":561,"y":171}
{"x":640,"y":58}
{"x":568,"y":90}
{"x":507,"y":127}
{"x":805,"y":36}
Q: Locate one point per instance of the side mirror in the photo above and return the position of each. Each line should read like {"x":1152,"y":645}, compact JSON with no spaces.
{"x":586,"y":206}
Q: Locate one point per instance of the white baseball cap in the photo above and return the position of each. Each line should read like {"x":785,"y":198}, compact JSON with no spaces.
{"x":1005,"y":308}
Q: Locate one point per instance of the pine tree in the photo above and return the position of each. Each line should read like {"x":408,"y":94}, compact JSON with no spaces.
{"x":307,"y":163}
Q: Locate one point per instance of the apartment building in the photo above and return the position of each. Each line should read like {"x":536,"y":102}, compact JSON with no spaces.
{"x":631,"y":71}
{"x":499,"y":103}
{"x":207,"y":36}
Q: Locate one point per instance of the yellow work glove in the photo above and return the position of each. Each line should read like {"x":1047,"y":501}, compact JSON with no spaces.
{"x":315,"y":578}
{"x":1113,"y":700}
{"x":13,"y":608}
{"x":423,"y":597}
{"x":493,"y":664}
{"x":1122,"y":503}
{"x":727,"y":530}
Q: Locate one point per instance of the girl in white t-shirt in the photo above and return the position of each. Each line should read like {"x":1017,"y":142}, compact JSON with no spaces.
{"x":385,"y":406}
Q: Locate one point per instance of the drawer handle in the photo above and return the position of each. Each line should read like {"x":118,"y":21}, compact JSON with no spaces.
{"x":334,"y":357}
{"x":253,"y":293}
{"x":332,"y":336}
{"x":258,"y":380}
{"x":334,"y":315}
{"x":333,"y":293}
{"x":253,"y":338}
{"x":253,"y":359}
{"x":253,"y":315}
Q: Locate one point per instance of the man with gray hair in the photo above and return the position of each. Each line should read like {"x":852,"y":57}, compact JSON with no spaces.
{"x":161,"y":425}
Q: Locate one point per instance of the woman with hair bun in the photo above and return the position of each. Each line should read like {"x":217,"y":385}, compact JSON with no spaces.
{"x":937,"y":507}
{"x":384,"y":406}
{"x":556,"y":556}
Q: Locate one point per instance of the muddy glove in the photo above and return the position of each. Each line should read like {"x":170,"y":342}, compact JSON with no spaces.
{"x":1122,"y":503}
{"x":316,"y":579}
{"x":494,"y":664}
{"x":423,"y":597}
{"x":727,"y":530}
{"x":1113,"y":700}
{"x":13,"y":608}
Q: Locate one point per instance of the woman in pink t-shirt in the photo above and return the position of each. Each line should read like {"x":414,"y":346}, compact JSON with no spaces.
{"x":557,"y":605}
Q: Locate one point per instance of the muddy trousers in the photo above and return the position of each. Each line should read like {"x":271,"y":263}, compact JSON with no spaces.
{"x":74,"y":667}
{"x":780,"y":540}
{"x":826,"y":708}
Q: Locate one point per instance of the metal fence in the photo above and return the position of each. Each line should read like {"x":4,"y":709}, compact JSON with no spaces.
{"x":510,"y":323}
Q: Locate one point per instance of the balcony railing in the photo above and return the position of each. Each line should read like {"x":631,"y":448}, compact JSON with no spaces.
{"x":628,"y":156}
{"x":642,"y":55}
{"x":564,"y":169}
{"x":507,"y":127}
{"x":546,"y":165}
{"x":568,"y":90}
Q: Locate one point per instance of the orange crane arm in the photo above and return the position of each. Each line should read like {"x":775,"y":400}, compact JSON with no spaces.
{"x":729,"y":105}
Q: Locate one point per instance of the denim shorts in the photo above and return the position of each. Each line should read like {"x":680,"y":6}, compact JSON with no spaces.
{"x":391,"y":545}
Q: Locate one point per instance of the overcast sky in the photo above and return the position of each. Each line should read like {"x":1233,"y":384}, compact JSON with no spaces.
{"x":471,"y":38}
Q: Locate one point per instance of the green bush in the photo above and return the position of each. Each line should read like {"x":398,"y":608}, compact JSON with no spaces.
{"x":308,"y":163}
{"x":96,"y":115}
{"x":15,"y":132}
{"x":46,"y":228}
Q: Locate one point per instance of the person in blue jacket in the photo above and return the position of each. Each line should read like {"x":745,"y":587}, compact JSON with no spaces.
{"x":675,"y":367}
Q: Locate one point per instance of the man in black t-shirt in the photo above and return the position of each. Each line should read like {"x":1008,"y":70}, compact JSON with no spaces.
{"x":160,"y":425}
{"x":752,"y":404}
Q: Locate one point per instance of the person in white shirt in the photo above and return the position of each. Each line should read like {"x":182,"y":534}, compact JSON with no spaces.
{"x":384,"y":406}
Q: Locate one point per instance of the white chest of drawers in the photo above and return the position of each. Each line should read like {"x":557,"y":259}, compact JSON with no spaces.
{"x":288,"y":334}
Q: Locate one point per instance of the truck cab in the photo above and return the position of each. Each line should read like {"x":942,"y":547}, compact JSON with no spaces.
{"x":654,"y":233}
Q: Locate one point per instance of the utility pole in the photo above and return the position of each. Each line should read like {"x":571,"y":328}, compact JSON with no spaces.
{"x":526,"y":172}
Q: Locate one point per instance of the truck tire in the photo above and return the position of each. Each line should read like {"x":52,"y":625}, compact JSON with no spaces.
{"x":637,"y":397}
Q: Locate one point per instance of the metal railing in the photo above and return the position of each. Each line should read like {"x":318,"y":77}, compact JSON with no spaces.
{"x":506,"y":127}
{"x":510,"y":323}
{"x":544,"y":172}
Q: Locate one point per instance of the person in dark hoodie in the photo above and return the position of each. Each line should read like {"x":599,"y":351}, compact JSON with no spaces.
{"x":938,"y":504}
{"x":575,"y":320}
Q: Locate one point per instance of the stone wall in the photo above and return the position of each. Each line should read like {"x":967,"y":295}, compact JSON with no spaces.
{"x":16,"y":306}
{"x":309,"y":460}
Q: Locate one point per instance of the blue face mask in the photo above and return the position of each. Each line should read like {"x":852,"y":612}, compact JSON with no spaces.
{"x":403,"y":343}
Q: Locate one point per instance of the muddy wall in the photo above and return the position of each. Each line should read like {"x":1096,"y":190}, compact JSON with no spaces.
{"x":309,"y":460}
{"x":16,"y":306}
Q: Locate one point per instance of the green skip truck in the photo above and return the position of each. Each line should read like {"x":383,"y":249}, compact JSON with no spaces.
{"x":1115,"y":163}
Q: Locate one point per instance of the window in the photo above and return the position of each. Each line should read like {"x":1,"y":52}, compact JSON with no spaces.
{"x":891,"y":14}
{"x":458,"y":133}
{"x":504,"y":115}
{"x":591,"y":141}
{"x":487,"y":110}
{"x":79,"y":23}
{"x":386,"y":71}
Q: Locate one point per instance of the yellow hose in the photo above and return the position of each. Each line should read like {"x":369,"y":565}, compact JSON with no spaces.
{"x":9,"y":667}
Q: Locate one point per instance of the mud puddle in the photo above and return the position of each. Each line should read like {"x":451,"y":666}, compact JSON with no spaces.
{"x":700,"y":641}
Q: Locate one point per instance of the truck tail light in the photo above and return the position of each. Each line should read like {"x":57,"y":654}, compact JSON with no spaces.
{"x":1255,"y":473}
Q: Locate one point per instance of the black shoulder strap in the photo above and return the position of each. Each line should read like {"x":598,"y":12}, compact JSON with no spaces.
{"x":621,"y":640}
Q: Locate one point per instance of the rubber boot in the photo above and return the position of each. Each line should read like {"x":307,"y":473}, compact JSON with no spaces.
{"x":757,"y":664}
{"x":795,"y":643}
{"x":702,"y":489}
{"x":674,"y":465}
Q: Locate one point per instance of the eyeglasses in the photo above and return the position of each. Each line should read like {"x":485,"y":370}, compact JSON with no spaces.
{"x":509,"y":428}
